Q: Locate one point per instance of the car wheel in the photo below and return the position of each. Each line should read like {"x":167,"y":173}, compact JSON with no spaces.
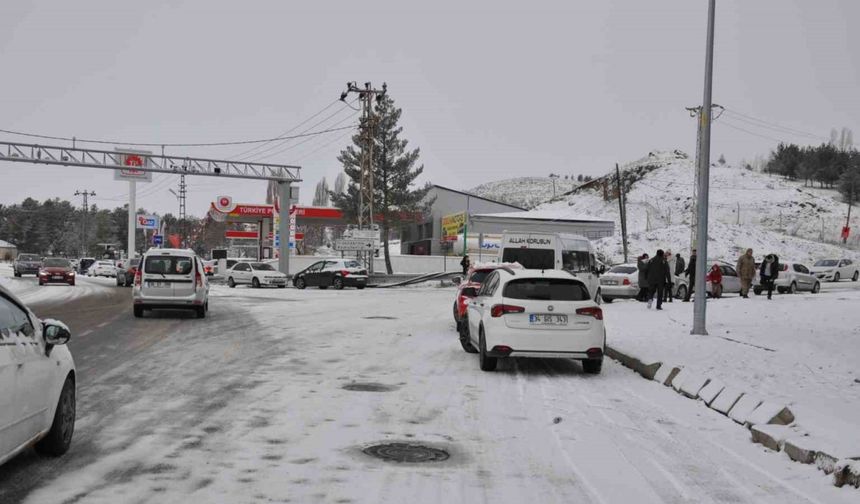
{"x":592,"y":366}
{"x":201,"y":312}
{"x":41,"y":283}
{"x":359,"y":287}
{"x":464,"y":338}
{"x":282,"y":286}
{"x":816,"y":288}
{"x":757,"y":290}
{"x":231,"y":283}
{"x":59,"y":438}
{"x":780,"y":290}
{"x":836,"y":277}
{"x":255,"y":283}
{"x":682,"y":292}
{"x":487,"y":363}
{"x":607,"y":299}
{"x":856,"y":276}
{"x":792,"y":289}
{"x":300,"y":283}
{"x":138,"y":311}
{"x":337,"y":283}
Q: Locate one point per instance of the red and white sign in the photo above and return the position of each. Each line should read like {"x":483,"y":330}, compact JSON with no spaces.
{"x":263,"y":211}
{"x":133,"y":160}
{"x":846,"y":231}
{"x":241,"y":235}
{"x":224,"y":204}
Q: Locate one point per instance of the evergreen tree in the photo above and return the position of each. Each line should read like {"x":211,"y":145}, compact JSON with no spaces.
{"x":321,"y":194}
{"x":340,"y":183}
{"x":395,"y":197}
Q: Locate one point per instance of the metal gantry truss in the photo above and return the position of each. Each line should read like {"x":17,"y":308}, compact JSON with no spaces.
{"x":113,"y":160}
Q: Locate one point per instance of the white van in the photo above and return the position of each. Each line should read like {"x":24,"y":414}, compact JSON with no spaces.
{"x":170,"y":279}
{"x":561,"y":251}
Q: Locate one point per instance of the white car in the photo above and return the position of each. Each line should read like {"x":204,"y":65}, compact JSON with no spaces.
{"x":170,"y":279}
{"x":37,"y":382}
{"x":834,"y":270}
{"x":793,"y":277}
{"x":102,"y":268}
{"x":255,"y":274}
{"x":535,"y":313}
{"x":622,"y":281}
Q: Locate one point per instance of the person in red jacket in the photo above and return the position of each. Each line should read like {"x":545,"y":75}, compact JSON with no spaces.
{"x":715,"y":276}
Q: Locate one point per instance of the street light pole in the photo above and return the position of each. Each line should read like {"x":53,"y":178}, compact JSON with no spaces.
{"x":700,"y":307}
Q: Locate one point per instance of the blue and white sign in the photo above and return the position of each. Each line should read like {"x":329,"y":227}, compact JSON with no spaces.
{"x":147,"y":222}
{"x":157,"y":239}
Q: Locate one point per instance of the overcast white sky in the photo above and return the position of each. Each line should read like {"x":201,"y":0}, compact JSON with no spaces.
{"x":489,"y":89}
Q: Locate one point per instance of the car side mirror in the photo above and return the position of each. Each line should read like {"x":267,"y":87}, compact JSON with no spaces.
{"x":55,"y":332}
{"x":457,"y":280}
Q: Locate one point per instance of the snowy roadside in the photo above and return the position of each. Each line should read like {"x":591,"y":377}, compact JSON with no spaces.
{"x":801,"y":351}
{"x":27,"y":288}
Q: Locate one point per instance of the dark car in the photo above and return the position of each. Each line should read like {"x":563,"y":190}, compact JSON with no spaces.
{"x":337,"y":273}
{"x":85,"y":263}
{"x":27,"y":264}
{"x":125,"y":274}
{"x":56,"y":270}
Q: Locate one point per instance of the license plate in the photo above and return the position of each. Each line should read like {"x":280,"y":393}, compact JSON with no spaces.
{"x":158,"y":285}
{"x":547,"y":319}
{"x":610,"y":282}
{"x":57,"y":277}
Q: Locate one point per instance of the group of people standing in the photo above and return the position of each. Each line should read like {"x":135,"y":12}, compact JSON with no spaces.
{"x":656,"y":275}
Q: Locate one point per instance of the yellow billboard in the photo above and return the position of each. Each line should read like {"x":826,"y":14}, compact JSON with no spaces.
{"x":453,"y":225}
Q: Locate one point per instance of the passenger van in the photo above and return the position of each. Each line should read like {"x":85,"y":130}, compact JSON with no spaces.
{"x":560,"y":251}
{"x":171,"y":279}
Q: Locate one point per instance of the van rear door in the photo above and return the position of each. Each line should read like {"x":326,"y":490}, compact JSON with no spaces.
{"x":532,"y":251}
{"x":166,"y":275}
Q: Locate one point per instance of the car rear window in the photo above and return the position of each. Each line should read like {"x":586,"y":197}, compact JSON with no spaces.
{"x":546,"y":289}
{"x":168,"y":265}
{"x":530,"y":258}
{"x":626,"y":270}
{"x":57,"y":263}
{"x":352,"y":264}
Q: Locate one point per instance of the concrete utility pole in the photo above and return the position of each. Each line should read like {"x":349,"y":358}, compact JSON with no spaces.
{"x":132,"y":218}
{"x":622,"y":211}
{"x":700,"y":308}
{"x":366,"y":96}
{"x":85,"y":195}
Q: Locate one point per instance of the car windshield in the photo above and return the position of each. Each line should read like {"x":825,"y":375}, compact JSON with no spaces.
{"x":167,"y":265}
{"x":56,"y":263}
{"x":262,"y":267}
{"x":624,"y":270}
{"x":28,"y":257}
{"x":826,"y":262}
{"x":546,"y":289}
{"x":479,"y":275}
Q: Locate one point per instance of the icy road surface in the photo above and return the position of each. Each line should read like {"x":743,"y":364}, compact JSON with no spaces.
{"x":248,"y":405}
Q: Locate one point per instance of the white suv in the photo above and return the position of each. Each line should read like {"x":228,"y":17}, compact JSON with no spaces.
{"x":834,"y":270}
{"x":171,"y":279}
{"x":793,"y":277}
{"x":534,"y":313}
{"x":37,"y":382}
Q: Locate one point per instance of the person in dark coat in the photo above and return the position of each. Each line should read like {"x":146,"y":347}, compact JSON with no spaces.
{"x":769,"y":272}
{"x":642,"y":266}
{"x":691,"y":276}
{"x":658,"y":277}
{"x":466,"y":264}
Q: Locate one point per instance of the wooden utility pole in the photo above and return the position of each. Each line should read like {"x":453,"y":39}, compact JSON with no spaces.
{"x":622,"y":209}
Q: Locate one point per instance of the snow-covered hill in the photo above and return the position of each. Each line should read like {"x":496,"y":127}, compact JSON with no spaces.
{"x":525,"y":192}
{"x":747,"y":209}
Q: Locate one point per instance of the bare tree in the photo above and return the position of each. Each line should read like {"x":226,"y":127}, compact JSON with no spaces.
{"x":321,"y":193}
{"x":340,"y":183}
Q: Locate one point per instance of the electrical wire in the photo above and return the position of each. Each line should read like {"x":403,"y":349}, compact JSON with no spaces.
{"x":730,"y":125}
{"x":308,"y":154}
{"x":748,"y":118}
{"x":288,"y":147}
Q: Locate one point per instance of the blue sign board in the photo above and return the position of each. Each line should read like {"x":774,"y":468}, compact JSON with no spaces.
{"x":157,"y":239}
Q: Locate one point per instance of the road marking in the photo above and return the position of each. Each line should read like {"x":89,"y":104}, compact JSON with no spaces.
{"x":88,"y":331}
{"x":103,"y":324}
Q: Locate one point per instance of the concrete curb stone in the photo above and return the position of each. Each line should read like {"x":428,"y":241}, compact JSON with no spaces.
{"x":742,"y":409}
{"x":771,"y":413}
{"x":772,"y":436}
{"x":693,"y":384}
{"x":726,"y":400}
{"x":666,"y":374}
{"x":710,"y":391}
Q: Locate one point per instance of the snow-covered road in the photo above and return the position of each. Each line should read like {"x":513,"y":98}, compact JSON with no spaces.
{"x":249,"y":405}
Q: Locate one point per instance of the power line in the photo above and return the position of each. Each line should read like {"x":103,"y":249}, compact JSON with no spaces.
{"x":145,"y":144}
{"x":773,"y":124}
{"x":730,"y":125}
{"x":314,"y":151}
{"x":293,"y":146}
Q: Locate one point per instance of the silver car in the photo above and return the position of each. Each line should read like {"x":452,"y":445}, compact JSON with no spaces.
{"x":793,"y":277}
{"x":172,"y":279}
{"x":622,"y":281}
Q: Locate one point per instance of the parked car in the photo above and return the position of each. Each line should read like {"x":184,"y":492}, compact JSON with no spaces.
{"x":26,"y":264}
{"x":102,"y":268}
{"x":209,"y":267}
{"x":834,"y":270}
{"x":56,"y":270}
{"x":337,"y":273}
{"x":255,"y":274}
{"x":125,"y":272}
{"x":170,"y":279}
{"x":622,"y":281}
{"x":37,"y":373}
{"x":793,"y":277}
{"x":467,"y":289}
{"x":84,"y":264}
{"x":535,"y":313}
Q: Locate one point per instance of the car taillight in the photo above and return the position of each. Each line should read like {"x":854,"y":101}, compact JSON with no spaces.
{"x":198,"y":279}
{"x":137,"y":277}
{"x":503,"y":309}
{"x":626,"y":281}
{"x":344,"y":272}
{"x":591,"y":311}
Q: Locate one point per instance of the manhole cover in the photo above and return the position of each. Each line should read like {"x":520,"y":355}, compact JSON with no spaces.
{"x":379,"y":317}
{"x":405,"y":452}
{"x":369,"y":387}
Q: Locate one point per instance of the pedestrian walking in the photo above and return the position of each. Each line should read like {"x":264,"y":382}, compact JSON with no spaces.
{"x":715,"y":277}
{"x":642,"y":266}
{"x":769,"y":273}
{"x":691,"y":276}
{"x":670,"y":287}
{"x":465,"y":263}
{"x":746,"y":272}
{"x":658,"y":276}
